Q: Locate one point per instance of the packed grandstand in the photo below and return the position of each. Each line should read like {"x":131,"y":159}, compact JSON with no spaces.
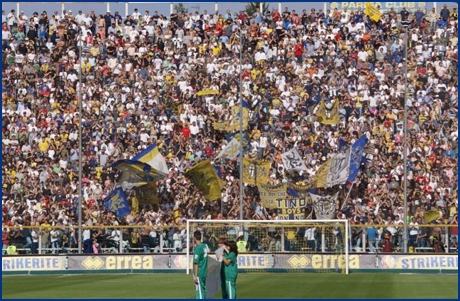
{"x":171,"y":80}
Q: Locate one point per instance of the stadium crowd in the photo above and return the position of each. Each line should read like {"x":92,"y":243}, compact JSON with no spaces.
{"x":140,"y":78}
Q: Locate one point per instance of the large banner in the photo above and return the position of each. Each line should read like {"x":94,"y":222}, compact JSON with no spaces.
{"x":384,"y":6}
{"x":417,"y":262}
{"x":164,"y":262}
{"x":292,"y":209}
{"x":117,"y":262}
{"x":270,"y":193}
{"x":33,"y":263}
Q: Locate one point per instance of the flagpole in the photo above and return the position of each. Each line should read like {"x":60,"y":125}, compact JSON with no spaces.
{"x":241,"y":123}
{"x":348,"y":194}
{"x":405,"y":238}
{"x":80,"y":157}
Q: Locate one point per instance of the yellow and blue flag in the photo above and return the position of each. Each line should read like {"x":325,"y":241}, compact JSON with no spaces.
{"x":117,"y":203}
{"x":149,"y":165}
{"x":152,"y":157}
{"x":136,"y":173}
{"x":204,"y":177}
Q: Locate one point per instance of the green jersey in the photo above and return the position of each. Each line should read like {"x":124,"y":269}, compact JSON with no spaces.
{"x":231,"y":270}
{"x":200,"y":257}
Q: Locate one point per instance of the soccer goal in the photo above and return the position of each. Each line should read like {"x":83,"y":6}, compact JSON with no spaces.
{"x":278,"y":245}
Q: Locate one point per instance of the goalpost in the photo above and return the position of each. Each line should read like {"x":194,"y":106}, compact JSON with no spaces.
{"x":293,"y":246}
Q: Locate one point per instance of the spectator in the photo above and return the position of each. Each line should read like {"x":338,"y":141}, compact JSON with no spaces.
{"x":140,"y":79}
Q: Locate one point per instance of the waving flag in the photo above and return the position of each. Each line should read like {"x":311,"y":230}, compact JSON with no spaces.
{"x":236,"y":116}
{"x":204,"y":177}
{"x":339,"y":168}
{"x":319,"y":180}
{"x":147,"y":194}
{"x":293,"y":161}
{"x":356,"y":157}
{"x":431,"y":215}
{"x":372,"y":12}
{"x":149,"y":165}
{"x":117,"y":203}
{"x":230,"y":151}
{"x":136,"y":173}
{"x":342,"y":167}
{"x":328,"y":113}
{"x":152,"y":157}
{"x":255,"y":171}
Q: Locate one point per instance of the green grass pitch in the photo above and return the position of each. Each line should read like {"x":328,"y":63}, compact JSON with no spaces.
{"x":249,"y":286}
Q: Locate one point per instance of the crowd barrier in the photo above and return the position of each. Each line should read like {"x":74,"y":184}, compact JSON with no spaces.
{"x":358,"y":242}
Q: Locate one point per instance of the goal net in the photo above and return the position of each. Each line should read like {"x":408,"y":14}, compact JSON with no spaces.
{"x":278,"y":245}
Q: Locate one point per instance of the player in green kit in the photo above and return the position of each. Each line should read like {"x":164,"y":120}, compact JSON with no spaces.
{"x":200,"y":265}
{"x":231,"y":268}
{"x":220,"y":256}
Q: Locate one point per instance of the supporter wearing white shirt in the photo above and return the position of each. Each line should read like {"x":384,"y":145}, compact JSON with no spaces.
{"x":11,"y":18}
{"x":345,"y":17}
{"x":112,"y":62}
{"x":136,"y":14}
{"x":79,"y":17}
{"x":362,"y":55}
{"x":260,"y":56}
{"x":133,"y":34}
{"x":194,"y":128}
{"x":72,"y":77}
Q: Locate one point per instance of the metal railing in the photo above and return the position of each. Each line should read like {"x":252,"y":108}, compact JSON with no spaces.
{"x":161,"y":242}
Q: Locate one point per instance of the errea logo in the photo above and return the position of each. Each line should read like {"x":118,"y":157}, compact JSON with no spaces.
{"x":299,"y":261}
{"x":92,"y":263}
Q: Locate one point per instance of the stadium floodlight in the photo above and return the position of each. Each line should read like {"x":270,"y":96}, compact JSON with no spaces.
{"x":295,"y":246}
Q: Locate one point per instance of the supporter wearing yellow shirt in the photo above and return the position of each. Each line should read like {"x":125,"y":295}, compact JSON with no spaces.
{"x":359,"y":104}
{"x":45,"y":67}
{"x":64,"y":137}
{"x":169,"y":78}
{"x":255,"y":133}
{"x":43,"y":145}
{"x":216,"y":49}
{"x":86,"y":67}
{"x":255,"y":73}
{"x":390,"y":115}
{"x":377,"y":130}
{"x":422,"y":117}
{"x":202,"y":48}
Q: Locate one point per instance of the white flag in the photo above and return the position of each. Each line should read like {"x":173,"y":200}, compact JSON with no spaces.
{"x":293,"y":161}
{"x":324,"y":205}
{"x":339,"y":168}
{"x":230,"y":151}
